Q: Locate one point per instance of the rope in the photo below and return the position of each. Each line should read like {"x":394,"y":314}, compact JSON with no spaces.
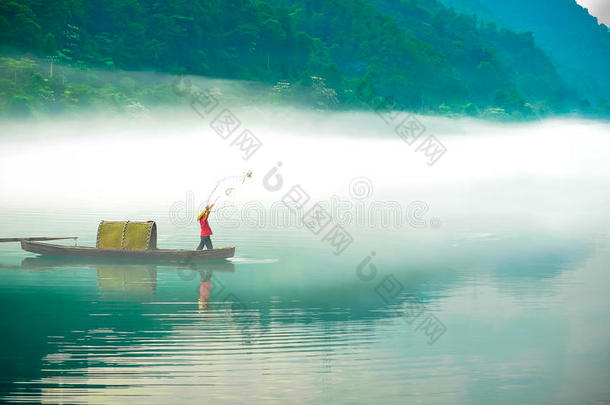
{"x":97,"y":239}
{"x":149,"y":233}
{"x":123,"y":236}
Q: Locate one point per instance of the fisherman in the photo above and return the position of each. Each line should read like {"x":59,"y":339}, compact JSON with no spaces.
{"x":205,"y":228}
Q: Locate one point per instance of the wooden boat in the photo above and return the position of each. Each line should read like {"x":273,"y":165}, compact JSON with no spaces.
{"x":149,"y":254}
{"x":125,"y":240}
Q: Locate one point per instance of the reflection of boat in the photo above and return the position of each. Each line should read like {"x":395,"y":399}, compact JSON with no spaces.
{"x":127,"y":240}
{"x":222,"y":266}
{"x":49,"y":262}
{"x":133,"y":279}
{"x":126,"y":278}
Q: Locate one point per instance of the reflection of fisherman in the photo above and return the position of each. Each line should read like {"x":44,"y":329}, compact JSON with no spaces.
{"x":205,"y":288}
{"x":206,"y":231}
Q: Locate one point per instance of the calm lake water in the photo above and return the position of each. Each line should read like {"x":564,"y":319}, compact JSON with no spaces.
{"x":501,"y":296}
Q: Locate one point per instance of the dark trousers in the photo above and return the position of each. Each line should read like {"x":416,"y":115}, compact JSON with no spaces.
{"x":205,"y":241}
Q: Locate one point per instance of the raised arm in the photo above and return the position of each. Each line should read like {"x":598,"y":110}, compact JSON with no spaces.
{"x":205,"y":213}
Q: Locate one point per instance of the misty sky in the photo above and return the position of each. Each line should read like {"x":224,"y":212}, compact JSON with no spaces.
{"x":598,"y":8}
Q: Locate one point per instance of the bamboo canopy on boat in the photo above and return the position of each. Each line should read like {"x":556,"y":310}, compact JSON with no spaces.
{"x":127,"y":235}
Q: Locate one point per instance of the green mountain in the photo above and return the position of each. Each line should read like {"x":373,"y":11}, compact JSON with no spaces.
{"x":578,"y":45}
{"x":498,"y":66}
{"x":324,"y":53}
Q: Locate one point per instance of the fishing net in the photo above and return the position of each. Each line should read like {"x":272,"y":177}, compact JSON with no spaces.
{"x":235,"y":180}
{"x":127,"y":235}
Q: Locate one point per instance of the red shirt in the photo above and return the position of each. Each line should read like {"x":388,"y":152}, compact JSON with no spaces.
{"x":205,"y":227}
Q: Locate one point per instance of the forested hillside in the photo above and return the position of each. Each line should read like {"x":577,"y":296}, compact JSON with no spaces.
{"x":498,"y":66}
{"x":332,"y":54}
{"x":576,"y":42}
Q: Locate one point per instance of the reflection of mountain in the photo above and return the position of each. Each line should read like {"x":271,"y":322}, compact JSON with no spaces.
{"x":56,"y":304}
{"x":422,"y":269}
{"x":298,"y":281}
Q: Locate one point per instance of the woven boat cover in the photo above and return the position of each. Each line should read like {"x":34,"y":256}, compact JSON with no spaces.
{"x":127,"y":235}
